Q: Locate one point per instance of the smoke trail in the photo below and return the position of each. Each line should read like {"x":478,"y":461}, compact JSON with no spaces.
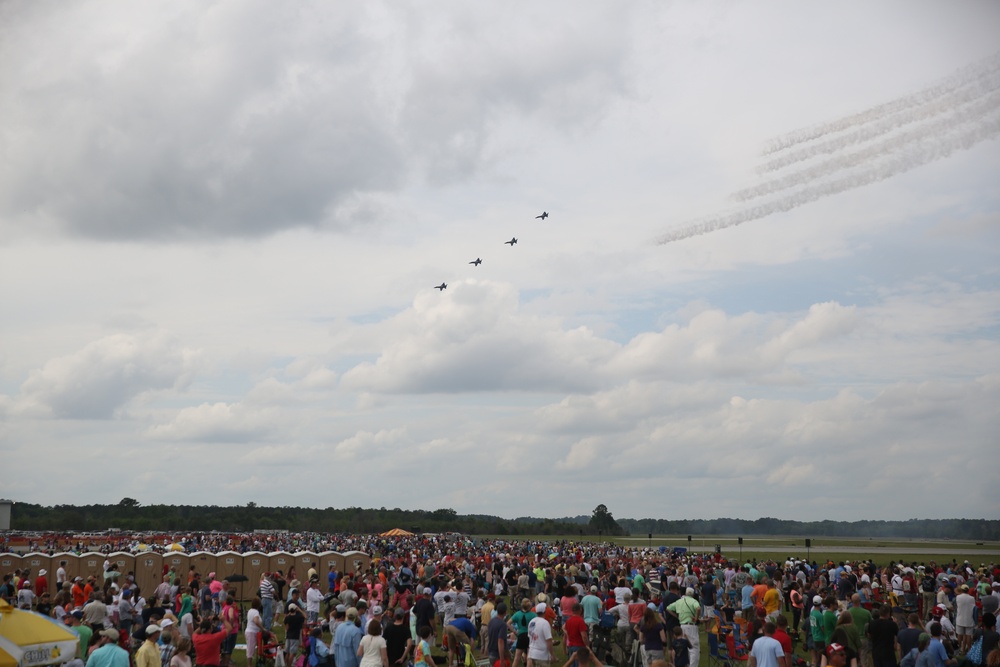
{"x":973,"y":91}
{"x":959,"y":79}
{"x":923,"y":153}
{"x":968,"y":114}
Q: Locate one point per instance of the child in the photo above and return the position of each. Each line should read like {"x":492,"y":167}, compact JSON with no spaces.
{"x":422,"y":655}
{"x":680,"y":649}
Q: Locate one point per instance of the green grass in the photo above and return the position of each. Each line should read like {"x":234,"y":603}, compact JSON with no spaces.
{"x":239,"y":658}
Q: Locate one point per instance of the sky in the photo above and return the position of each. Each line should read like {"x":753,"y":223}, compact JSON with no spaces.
{"x":767,"y":284}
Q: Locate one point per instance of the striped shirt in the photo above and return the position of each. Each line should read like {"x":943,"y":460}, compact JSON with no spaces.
{"x":266,"y":589}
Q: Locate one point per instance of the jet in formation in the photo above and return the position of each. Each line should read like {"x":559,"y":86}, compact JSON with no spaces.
{"x":476,"y":261}
{"x":511,"y":242}
{"x":544,"y":215}
{"x":442,"y":286}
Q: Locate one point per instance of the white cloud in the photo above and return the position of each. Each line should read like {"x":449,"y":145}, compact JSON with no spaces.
{"x":102,"y":377}
{"x":219,"y":422}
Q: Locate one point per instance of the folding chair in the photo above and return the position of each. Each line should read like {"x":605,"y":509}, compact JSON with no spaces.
{"x":716,"y":658}
{"x":736,"y":653}
{"x":266,"y":649}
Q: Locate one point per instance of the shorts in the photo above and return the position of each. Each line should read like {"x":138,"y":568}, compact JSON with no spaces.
{"x":522,"y":642}
{"x":228,"y":644}
{"x":963,"y":629}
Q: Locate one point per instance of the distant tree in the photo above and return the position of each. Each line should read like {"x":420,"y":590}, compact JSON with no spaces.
{"x":602,"y":523}
{"x":128,"y":502}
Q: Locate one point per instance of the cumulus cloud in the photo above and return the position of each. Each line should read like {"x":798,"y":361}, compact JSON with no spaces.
{"x":103,"y":376}
{"x":474,"y":338}
{"x":218,"y":422}
{"x":478,"y":338}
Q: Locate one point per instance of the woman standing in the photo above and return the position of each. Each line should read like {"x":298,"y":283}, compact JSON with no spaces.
{"x":372,"y":649}
{"x":654,"y":636}
{"x":255,"y":626}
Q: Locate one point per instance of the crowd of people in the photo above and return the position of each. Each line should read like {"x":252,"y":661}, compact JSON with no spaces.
{"x":448,"y":598}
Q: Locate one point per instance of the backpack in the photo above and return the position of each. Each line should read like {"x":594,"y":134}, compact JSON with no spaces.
{"x":607,"y":620}
{"x":928,"y":584}
{"x":906,"y":585}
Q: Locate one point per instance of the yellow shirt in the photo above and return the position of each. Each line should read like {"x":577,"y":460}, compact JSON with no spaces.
{"x":148,"y":655}
{"x":772,"y":600}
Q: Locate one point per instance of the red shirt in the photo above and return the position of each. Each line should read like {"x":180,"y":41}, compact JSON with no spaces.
{"x":785,"y":640}
{"x":576,"y":630}
{"x":208,"y":647}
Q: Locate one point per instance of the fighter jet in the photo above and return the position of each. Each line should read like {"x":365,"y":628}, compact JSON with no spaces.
{"x":544,"y":215}
{"x":511,"y":242}
{"x":477,"y":261}
{"x":442,"y":287}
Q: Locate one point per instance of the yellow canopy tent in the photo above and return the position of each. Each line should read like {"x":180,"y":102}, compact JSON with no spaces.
{"x":28,"y":639}
{"x":397,"y":532}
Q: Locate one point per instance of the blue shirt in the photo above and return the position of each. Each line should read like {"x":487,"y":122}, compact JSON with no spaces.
{"x":109,"y":655}
{"x":936,"y":649}
{"x":346,"y":643}
{"x":747,"y":593}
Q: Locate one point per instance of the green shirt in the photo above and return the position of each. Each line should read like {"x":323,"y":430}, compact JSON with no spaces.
{"x":862,"y":617}
{"x":84,"y":633}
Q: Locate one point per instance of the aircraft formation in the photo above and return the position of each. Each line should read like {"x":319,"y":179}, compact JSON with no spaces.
{"x":477,"y":261}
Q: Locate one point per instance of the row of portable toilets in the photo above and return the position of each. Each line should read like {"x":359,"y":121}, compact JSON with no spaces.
{"x":149,"y":568}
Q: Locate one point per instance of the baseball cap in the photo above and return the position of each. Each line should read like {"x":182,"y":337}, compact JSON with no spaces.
{"x":834,"y":648}
{"x":165,"y":623}
{"x":152,"y":630}
{"x":593,"y":589}
{"x":817,"y":599}
{"x":342,"y":608}
{"x":352,"y":613}
{"x":540,"y":608}
{"x":110,"y":633}
{"x":292,"y":605}
{"x":377,"y":610}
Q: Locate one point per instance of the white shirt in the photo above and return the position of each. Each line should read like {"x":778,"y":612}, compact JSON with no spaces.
{"x":313,"y":598}
{"x":539,"y":632}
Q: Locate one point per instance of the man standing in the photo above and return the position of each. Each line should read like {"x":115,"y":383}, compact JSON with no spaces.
{"x":882,"y":632}
{"x":148,"y":654}
{"x":424,"y":612}
{"x":496,"y":634}
{"x":686,"y":611}
{"x":267,"y":600}
{"x":540,"y":639}
{"x":398,"y":642}
{"x":576,"y":631}
{"x":591,"y":608}
{"x":965,"y":606}
{"x":108,"y":653}
{"x":313,"y":600}
{"x":766,"y":651}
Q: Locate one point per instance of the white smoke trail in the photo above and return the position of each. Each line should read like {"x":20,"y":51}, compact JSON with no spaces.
{"x":968,"y":114}
{"x":959,"y":79}
{"x":975,"y":90}
{"x":922,"y":153}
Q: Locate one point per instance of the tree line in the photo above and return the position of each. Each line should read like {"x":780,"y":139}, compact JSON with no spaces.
{"x":131,"y":515}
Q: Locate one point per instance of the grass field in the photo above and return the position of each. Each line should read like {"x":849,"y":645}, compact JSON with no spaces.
{"x":239,"y":657}
{"x":879,"y":550}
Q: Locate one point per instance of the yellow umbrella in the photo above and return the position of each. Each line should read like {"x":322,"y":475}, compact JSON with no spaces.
{"x":176,"y":547}
{"x":28,"y":639}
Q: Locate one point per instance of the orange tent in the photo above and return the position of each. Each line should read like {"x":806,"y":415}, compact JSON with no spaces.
{"x":397,"y":532}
